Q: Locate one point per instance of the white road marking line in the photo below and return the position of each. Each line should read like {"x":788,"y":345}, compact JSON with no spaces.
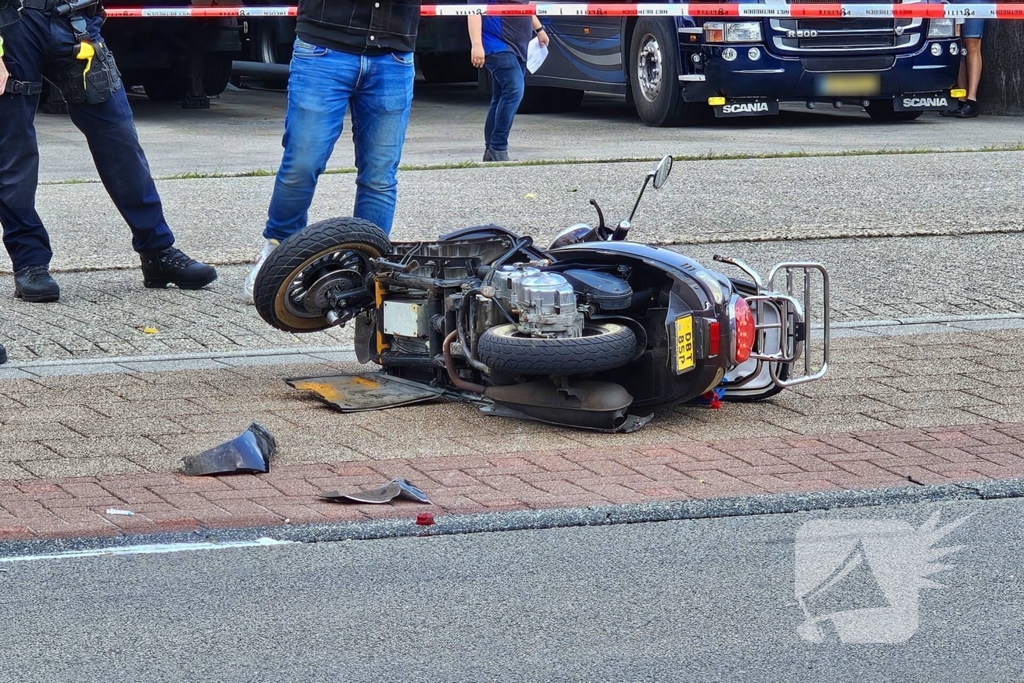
{"x":152,"y":549}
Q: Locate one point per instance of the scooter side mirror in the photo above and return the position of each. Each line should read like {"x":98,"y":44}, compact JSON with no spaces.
{"x":657,"y":178}
{"x":661,"y":172}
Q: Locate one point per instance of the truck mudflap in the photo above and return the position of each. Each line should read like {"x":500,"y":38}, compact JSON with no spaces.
{"x":789,"y":348}
{"x":940,"y":101}
{"x":747,"y":106}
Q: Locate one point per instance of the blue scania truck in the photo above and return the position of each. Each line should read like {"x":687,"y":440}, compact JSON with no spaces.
{"x":678,"y":70}
{"x":674,"y":70}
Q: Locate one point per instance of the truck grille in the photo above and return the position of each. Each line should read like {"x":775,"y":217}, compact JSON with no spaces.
{"x":816,"y":36}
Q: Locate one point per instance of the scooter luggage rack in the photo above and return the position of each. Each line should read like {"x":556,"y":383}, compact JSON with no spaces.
{"x":792,"y":310}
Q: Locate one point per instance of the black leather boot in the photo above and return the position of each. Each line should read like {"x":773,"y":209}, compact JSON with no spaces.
{"x":35,"y":285}
{"x":172,"y":266}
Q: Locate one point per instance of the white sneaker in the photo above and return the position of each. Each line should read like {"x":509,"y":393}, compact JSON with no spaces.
{"x":250,"y":280}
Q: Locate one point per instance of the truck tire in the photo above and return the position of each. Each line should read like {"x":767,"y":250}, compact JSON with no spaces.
{"x":545,"y":100}
{"x":882,"y":110}
{"x":163,"y":86}
{"x":329,"y":248}
{"x":603,"y":347}
{"x":272,"y":44}
{"x":216,"y":72}
{"x":447,"y":68}
{"x":654,"y":77}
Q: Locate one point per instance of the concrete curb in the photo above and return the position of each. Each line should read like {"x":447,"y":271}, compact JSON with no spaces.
{"x":554,"y":518}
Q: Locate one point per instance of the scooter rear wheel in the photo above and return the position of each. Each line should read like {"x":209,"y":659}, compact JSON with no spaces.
{"x":326,"y":258}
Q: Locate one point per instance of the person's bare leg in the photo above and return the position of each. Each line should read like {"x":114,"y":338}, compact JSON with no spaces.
{"x":973,"y":46}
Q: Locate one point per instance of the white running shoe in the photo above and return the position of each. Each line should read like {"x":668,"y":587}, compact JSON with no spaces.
{"x":250,"y":280}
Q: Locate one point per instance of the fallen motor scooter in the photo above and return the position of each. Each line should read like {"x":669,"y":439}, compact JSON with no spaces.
{"x":593,"y":332}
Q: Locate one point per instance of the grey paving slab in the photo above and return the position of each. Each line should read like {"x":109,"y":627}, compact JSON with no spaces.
{"x":990,"y":324}
{"x":176,"y":365}
{"x":77,"y":369}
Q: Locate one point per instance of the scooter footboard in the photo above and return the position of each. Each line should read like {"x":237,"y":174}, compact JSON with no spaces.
{"x":792,"y":312}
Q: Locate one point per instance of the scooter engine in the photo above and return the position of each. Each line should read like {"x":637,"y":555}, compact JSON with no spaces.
{"x":545,"y":302}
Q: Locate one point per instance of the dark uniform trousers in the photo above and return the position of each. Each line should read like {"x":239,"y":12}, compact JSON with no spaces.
{"x":41,"y":45}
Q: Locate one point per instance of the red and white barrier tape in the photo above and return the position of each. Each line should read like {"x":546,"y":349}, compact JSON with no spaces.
{"x":1010,"y":10}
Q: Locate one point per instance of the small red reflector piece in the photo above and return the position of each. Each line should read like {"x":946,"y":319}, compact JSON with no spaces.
{"x":714,"y":339}
{"x":746,"y":328}
{"x":425,"y":519}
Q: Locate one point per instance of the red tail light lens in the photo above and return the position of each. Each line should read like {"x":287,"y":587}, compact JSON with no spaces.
{"x":746,"y":328}
{"x":714,"y":339}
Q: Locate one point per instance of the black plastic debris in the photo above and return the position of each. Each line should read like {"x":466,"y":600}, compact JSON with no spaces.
{"x":248,"y":453}
{"x":396,"y":488}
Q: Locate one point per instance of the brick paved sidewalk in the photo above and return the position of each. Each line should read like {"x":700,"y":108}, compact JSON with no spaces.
{"x":935,"y":407}
{"x":527,"y":480}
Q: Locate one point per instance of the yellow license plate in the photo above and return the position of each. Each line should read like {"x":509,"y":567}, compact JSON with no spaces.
{"x":684,"y":343}
{"x":849,"y":85}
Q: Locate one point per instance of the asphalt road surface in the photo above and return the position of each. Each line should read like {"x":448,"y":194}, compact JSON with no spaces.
{"x":706,"y":600}
{"x":242,"y":132}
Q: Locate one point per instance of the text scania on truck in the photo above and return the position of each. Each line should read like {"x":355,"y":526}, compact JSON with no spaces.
{"x":676,"y":70}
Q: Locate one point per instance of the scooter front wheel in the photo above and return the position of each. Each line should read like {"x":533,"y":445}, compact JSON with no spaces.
{"x":311,"y":270}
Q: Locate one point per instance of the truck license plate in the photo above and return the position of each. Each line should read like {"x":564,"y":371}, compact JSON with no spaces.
{"x":849,"y":85}
{"x":684,"y":343}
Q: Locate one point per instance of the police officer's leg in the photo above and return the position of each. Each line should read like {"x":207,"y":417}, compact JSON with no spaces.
{"x":23,"y":233}
{"x":109,"y":127}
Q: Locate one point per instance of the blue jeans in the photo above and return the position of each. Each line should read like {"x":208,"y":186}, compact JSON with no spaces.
{"x":972,"y":28}
{"x":40,"y":45}
{"x":322,"y":86}
{"x":508,"y":81}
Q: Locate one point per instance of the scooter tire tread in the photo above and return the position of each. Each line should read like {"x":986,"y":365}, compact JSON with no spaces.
{"x":562,"y":357}
{"x":300,"y":247}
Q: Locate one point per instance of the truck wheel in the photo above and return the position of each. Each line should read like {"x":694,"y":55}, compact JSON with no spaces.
{"x":544,"y":100}
{"x":882,"y":110}
{"x":447,"y":68}
{"x":163,"y":86}
{"x":654,"y":77}
{"x":216,"y":72}
{"x":326,"y":258}
{"x":269,"y":48}
{"x":601,"y":348}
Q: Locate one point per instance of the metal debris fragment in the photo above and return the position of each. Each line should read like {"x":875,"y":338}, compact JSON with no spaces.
{"x":396,"y":488}
{"x":248,"y":453}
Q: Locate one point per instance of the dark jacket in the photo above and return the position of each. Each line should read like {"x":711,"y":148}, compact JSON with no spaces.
{"x":362,"y":27}
{"x":9,"y":12}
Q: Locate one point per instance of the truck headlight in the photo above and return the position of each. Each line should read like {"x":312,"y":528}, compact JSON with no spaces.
{"x":941,"y":28}
{"x":732,"y":32}
{"x":743,"y":32}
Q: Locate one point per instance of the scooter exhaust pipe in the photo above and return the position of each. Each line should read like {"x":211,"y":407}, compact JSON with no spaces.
{"x":449,"y":365}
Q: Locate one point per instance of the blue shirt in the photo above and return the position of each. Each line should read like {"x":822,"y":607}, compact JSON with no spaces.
{"x":507,"y":34}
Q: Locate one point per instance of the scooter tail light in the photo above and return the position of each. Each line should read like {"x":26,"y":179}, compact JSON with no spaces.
{"x":746,"y":329}
{"x":714,"y":339}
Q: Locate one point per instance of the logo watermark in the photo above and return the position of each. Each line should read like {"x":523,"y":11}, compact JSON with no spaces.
{"x":872,"y":568}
